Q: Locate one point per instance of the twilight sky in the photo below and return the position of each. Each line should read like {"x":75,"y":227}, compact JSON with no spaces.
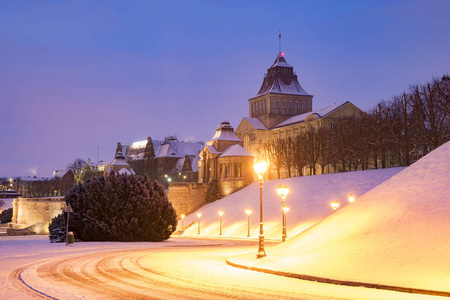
{"x":77,"y":75}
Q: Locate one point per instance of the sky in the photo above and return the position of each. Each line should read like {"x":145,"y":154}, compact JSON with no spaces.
{"x":76,"y":77}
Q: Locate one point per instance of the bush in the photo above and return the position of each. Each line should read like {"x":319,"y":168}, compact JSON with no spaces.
{"x":212,"y":193}
{"x":6,"y":216}
{"x":57,"y":229}
{"x":121,"y":208}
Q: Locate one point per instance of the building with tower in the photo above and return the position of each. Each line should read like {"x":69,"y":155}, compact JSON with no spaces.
{"x":282,"y":109}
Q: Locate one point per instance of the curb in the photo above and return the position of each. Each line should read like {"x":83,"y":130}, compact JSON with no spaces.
{"x":343,"y":282}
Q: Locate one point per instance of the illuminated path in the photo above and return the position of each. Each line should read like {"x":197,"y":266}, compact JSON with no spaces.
{"x":179,"y":269}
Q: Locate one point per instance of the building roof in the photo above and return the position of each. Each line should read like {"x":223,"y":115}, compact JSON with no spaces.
{"x":280,"y":79}
{"x":172,"y":148}
{"x":256,"y":123}
{"x":235,"y":150}
{"x":119,"y":160}
{"x":320,"y":113}
{"x":225,"y":133}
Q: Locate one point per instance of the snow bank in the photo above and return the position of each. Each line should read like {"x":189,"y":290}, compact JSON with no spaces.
{"x":396,"y":234}
{"x":309,"y":202}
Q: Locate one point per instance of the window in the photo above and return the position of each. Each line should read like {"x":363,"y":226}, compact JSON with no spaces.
{"x":256,"y":106}
{"x":264,"y":105}
{"x":277,"y":103}
{"x":297,"y":104}
{"x":259,"y":105}
{"x":227,"y":170}
{"x":253,"y":107}
{"x":291,"y":104}
{"x":333,"y":125}
{"x":237,"y":170}
{"x":303,"y":105}
{"x":284,"y":103}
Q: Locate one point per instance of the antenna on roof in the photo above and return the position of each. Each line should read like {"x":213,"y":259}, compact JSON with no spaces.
{"x":279,"y":44}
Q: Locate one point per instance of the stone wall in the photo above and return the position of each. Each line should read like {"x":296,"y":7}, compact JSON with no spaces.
{"x":187,"y":197}
{"x":30,"y":211}
{"x":228,"y":187}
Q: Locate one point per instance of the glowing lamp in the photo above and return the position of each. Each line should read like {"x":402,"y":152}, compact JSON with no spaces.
{"x":335,"y":205}
{"x":220,"y":213}
{"x":351,"y":198}
{"x":248,"y":212}
{"x":285,"y":209}
{"x":282,"y":191}
{"x":260,"y":167}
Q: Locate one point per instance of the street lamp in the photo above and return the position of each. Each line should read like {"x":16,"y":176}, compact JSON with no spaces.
{"x":283,"y":191}
{"x":285,"y":210}
{"x":248,"y":212}
{"x":220,"y":214}
{"x":260,"y":169}
{"x":351,"y":198}
{"x":182,"y":218}
{"x":198,"y":216}
{"x":335,"y":205}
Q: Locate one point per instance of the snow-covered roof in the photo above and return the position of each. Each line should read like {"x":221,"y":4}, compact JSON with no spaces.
{"x":280,"y":79}
{"x":235,"y":150}
{"x":60,"y":173}
{"x":174,"y":148}
{"x":212,"y":149}
{"x":125,"y":171}
{"x":257,"y":124}
{"x":319,"y":112}
{"x":225,"y":133}
{"x":119,"y":160}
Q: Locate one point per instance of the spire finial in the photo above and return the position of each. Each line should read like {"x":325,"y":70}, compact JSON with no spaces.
{"x":279,"y":44}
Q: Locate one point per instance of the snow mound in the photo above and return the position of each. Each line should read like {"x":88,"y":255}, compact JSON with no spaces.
{"x":309,"y":202}
{"x":398,"y":233}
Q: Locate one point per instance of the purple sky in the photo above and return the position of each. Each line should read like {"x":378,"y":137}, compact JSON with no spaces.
{"x":77,"y":75}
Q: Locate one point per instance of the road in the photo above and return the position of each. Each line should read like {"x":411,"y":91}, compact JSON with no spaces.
{"x":179,"y":269}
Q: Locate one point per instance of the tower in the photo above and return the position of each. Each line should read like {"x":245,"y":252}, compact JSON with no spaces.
{"x":281,"y":96}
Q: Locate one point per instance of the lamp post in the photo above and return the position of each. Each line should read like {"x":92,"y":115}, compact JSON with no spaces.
{"x":198,"y":216}
{"x":285,"y":210}
{"x":335,"y":205}
{"x":248,"y":212}
{"x":182,"y":218}
{"x":220,"y":214}
{"x":260,"y":169}
{"x":351,"y":198}
{"x":283,"y":191}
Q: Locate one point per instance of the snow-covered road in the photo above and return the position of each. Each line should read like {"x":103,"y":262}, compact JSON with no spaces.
{"x":179,"y":268}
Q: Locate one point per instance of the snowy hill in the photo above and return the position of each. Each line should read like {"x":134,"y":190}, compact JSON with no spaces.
{"x":396,"y":234}
{"x":309,"y":202}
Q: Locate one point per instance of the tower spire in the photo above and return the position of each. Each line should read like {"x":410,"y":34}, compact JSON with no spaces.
{"x":279,"y":44}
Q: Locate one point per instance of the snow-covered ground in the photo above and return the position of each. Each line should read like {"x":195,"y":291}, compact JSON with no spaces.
{"x":309,"y":202}
{"x":396,"y":234}
{"x":179,"y":268}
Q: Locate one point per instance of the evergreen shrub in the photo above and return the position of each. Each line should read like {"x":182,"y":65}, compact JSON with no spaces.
{"x":6,"y":216}
{"x":120,"y":208}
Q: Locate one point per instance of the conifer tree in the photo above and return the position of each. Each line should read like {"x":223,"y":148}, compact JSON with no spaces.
{"x":121,"y":208}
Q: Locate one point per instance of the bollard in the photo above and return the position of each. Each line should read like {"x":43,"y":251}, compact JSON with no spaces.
{"x":70,"y":238}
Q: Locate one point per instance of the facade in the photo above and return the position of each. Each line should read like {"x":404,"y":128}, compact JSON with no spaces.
{"x":225,"y":160}
{"x":33,"y":215}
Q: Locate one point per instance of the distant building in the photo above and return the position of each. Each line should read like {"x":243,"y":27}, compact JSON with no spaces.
{"x":282,"y":108}
{"x":224,"y":167}
{"x":167,"y":160}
